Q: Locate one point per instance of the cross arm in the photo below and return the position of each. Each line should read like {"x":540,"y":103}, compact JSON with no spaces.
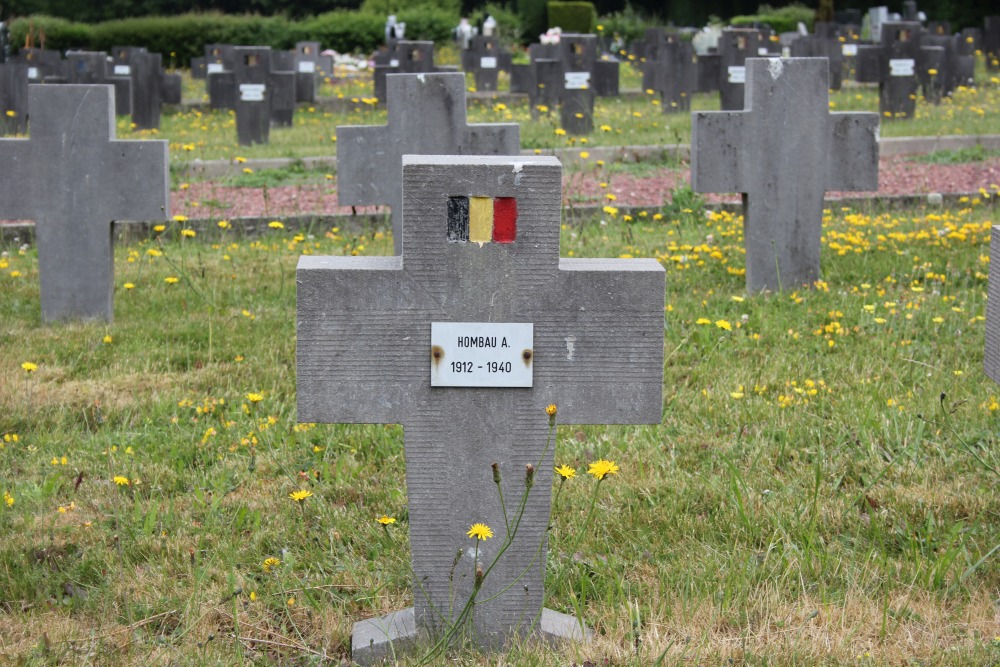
{"x":16,"y":200}
{"x":854,"y":149}
{"x":602,"y":359}
{"x":718,"y":160}
{"x":140,"y":173}
{"x":361,"y":348}
{"x":491,"y":139}
{"x":365,"y":157}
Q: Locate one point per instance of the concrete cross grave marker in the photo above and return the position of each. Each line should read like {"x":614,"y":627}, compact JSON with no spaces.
{"x":74,"y":179}
{"x":783,"y":152}
{"x":426,"y":117}
{"x":385,"y":340}
{"x":991,"y":358}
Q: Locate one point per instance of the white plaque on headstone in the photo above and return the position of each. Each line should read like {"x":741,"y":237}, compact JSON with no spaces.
{"x":482,"y":354}
{"x":850,"y":50}
{"x":761,"y":50}
{"x":737,"y":74}
{"x":214,"y":68}
{"x":32,"y":73}
{"x":122,"y":70}
{"x":394,"y":62}
{"x":488,"y":62}
{"x":577,"y":80}
{"x":252,"y":92}
{"x":901,"y":67}
{"x":307,"y":67}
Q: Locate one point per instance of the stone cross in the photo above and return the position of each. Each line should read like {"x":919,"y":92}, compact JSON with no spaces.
{"x":426,"y":117}
{"x":991,"y":358}
{"x":74,"y":179}
{"x":380,"y":340}
{"x":735,"y":46}
{"x":783,"y":152}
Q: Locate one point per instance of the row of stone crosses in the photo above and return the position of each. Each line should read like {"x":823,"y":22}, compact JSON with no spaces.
{"x":263,"y":86}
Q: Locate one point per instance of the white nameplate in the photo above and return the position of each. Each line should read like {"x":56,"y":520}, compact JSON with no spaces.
{"x":487,"y":62}
{"x":394,"y":63}
{"x":252,"y":92}
{"x":577,"y":80}
{"x":307,"y":67}
{"x":122,"y":70}
{"x":849,"y":50}
{"x":901,"y":67}
{"x":32,"y":73}
{"x":482,"y":354}
{"x":214,"y":68}
{"x":737,"y":74}
{"x":761,"y":50}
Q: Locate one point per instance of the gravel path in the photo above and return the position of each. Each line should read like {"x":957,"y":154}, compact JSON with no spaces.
{"x":897,"y":176}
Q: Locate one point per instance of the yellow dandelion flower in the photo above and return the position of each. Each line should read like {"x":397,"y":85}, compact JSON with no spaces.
{"x":29,"y":367}
{"x":270,"y":563}
{"x":723,"y":324}
{"x":551,"y":410}
{"x":189,"y":233}
{"x":274,"y":224}
{"x":602,"y":468}
{"x":180,"y":218}
{"x":255,"y":398}
{"x":223,"y":224}
{"x":480,"y":531}
{"x":121,"y":481}
{"x":8,"y":499}
{"x":300,"y":495}
{"x":386,"y":520}
{"x":129,"y":285}
{"x":171,"y":280}
{"x":566,"y":472}
{"x":560,"y":132}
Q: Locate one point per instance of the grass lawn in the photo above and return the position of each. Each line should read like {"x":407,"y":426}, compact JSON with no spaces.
{"x":822,"y":489}
{"x":620,"y":121}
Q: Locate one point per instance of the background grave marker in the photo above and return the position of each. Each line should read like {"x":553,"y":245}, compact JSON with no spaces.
{"x":73,"y":179}
{"x":783,"y":152}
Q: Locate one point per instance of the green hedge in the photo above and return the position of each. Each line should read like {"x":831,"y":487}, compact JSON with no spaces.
{"x":576,"y":17}
{"x":183,"y":37}
{"x":784,"y":19}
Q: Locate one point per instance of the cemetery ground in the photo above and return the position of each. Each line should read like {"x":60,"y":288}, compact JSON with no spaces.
{"x":821,"y":490}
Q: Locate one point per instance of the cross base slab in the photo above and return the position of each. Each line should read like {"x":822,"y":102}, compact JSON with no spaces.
{"x":379,"y":639}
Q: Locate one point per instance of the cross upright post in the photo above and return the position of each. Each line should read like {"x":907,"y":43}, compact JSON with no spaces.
{"x":74,"y":180}
{"x":783,"y":152}
{"x":426,"y":117}
{"x":465,"y":339}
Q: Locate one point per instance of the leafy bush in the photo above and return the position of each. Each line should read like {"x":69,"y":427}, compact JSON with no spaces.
{"x":783,"y":19}
{"x":629,"y":24}
{"x":509,"y":27}
{"x":57,"y":33}
{"x":573,"y":16}
{"x":534,"y":19}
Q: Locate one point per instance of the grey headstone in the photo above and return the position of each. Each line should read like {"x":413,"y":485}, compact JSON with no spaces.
{"x":307,"y":71}
{"x":708,"y":70}
{"x":364,"y":356}
{"x":42,"y":63}
{"x":73,"y":179}
{"x":13,"y":98}
{"x":735,"y":46}
{"x":783,"y":152}
{"x":607,"y":77}
{"x":426,"y":117}
{"x":198,"y":68}
{"x":671,"y":73}
{"x":483,"y":58}
{"x":991,"y":359}
{"x":991,"y":42}
{"x":147,"y":89}
{"x":577,"y":111}
{"x":251,"y":74}
{"x":897,"y":89}
{"x":522,"y":78}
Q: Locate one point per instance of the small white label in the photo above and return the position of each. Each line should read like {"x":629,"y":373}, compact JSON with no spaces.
{"x":577,"y":80}
{"x":901,"y":67}
{"x":737,"y":74}
{"x":487,"y":62}
{"x":394,"y":62}
{"x":214,"y":68}
{"x":482,"y":354}
{"x":122,"y":70}
{"x":850,"y":50}
{"x":32,"y":72}
{"x":307,"y":67}
{"x":252,"y":92}
{"x":761,"y":50}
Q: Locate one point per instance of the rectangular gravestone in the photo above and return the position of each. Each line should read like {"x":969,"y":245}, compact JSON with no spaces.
{"x":607,"y":76}
{"x":378,"y":342}
{"x":991,"y":42}
{"x":13,"y":98}
{"x":307,"y":71}
{"x":783,"y":152}
{"x":220,"y":61}
{"x":42,"y":63}
{"x":898,"y":83}
{"x":95,"y":67}
{"x":426,"y":117}
{"x":281,"y":80}
{"x":483,"y":57}
{"x":708,"y":72}
{"x":671,"y":73}
{"x":401,"y":57}
{"x":735,"y":46}
{"x":822,"y":46}
{"x":74,"y":180}
{"x":148,"y":83}
{"x":253,"y":98}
